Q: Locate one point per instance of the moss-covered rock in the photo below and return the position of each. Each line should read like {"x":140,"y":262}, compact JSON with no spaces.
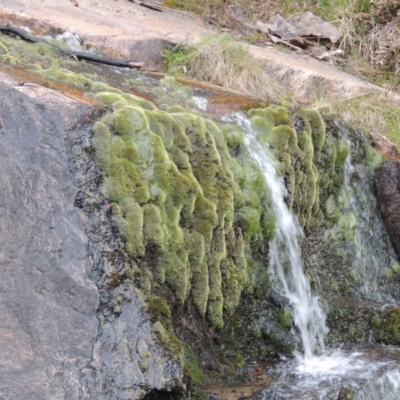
{"x":179,"y":193}
{"x":309,"y":157}
{"x":195,"y":218}
{"x":387,"y":327}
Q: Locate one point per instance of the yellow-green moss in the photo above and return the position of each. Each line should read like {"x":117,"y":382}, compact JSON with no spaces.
{"x":171,"y":343}
{"x":387,"y":328}
{"x":285,"y":317}
{"x":158,"y":308}
{"x":310,"y":159}
{"x":374,"y":157}
{"x":191,"y":367}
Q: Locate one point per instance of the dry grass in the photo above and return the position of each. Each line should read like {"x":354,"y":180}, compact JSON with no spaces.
{"x":222,"y":61}
{"x":375,"y":113}
{"x":370,"y":41}
{"x":370,"y":29}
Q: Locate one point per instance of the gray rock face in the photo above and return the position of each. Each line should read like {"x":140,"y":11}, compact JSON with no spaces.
{"x":387,"y":186}
{"x":64,"y":334}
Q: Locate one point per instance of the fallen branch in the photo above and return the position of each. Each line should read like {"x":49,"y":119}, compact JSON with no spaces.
{"x":147,"y":5}
{"x":116,"y":62}
{"x":328,"y":54}
{"x":277,"y":40}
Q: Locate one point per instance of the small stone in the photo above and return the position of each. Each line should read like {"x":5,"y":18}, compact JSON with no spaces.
{"x":142,"y":348}
{"x":144,"y":364}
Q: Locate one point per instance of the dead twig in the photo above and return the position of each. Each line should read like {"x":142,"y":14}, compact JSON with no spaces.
{"x":147,"y":5}
{"x":116,"y":62}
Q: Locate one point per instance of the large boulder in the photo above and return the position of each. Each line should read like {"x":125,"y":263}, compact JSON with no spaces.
{"x":62,"y":334}
{"x":387,"y":186}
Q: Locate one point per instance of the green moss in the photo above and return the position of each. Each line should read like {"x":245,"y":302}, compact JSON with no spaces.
{"x":171,"y":343}
{"x":342,"y":151}
{"x":376,"y":322}
{"x":124,"y":180}
{"x":184,"y":192}
{"x":249,"y":220}
{"x":233,"y":137}
{"x":205,"y":213}
{"x":191,"y":367}
{"x":194,"y":242}
{"x":133,"y":230}
{"x":109,"y":98}
{"x":300,"y":154}
{"x":281,"y":115}
{"x":200,"y":395}
{"x":318,"y":130}
{"x":285,"y":317}
{"x":146,"y":281}
{"x":389,"y":329}
{"x":177,"y":273}
{"x":396,"y":267}
{"x":101,"y":144}
{"x":153,"y":227}
{"x":158,"y":308}
{"x":332,"y":211}
{"x":103,"y":87}
{"x":347,"y":226}
{"x":374,"y":157}
{"x":235,"y":276}
{"x":215,"y":299}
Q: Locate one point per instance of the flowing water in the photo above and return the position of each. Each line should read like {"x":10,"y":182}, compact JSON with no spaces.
{"x":369,"y":373}
{"x":373,"y":260}
{"x":285,"y":252}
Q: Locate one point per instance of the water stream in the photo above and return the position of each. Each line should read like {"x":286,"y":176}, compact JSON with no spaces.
{"x":285,"y":254}
{"x":372,"y":259}
{"x":316,"y":373}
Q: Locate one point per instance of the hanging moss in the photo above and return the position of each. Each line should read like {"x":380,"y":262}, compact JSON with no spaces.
{"x":133,"y":216}
{"x":317,"y":128}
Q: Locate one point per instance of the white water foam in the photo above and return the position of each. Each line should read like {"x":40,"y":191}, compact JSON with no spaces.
{"x":368,"y":374}
{"x":72,"y":40}
{"x":337,"y":365}
{"x":201,"y":102}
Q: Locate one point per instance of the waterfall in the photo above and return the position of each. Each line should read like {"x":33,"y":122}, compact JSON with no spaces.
{"x":285,"y":255}
{"x":372,"y":260}
{"x":365,"y":374}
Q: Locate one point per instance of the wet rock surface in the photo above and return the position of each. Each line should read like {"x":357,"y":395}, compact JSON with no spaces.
{"x":63,"y":335}
{"x":387,"y":186}
{"x":47,"y":301}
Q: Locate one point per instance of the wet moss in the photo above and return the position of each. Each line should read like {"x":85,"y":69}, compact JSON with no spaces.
{"x":374,"y":157}
{"x":285,"y":317}
{"x":158,"y":308}
{"x":388,"y":330}
{"x":191,"y":367}
{"x":171,"y":343}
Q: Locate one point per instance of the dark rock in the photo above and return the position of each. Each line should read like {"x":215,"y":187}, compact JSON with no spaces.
{"x":63,"y":334}
{"x":387,"y":186}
